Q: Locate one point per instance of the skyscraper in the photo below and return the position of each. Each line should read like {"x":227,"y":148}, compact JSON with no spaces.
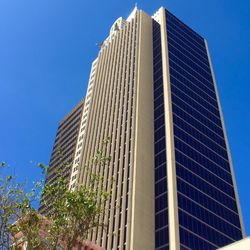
{"x":153,"y":91}
{"x":203,"y":206}
{"x":63,"y":151}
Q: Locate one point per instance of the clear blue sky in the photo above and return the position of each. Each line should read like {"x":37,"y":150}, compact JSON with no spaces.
{"x":46,"y":49}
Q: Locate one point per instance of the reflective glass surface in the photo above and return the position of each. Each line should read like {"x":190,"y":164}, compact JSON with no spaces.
{"x":208,"y":214}
{"x":161,"y":206}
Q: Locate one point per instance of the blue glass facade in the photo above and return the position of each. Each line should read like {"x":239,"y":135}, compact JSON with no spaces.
{"x":208,"y":215}
{"x":207,"y":209}
{"x":161,"y":206}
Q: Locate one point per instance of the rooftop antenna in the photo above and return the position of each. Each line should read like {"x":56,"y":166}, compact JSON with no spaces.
{"x":136,"y":6}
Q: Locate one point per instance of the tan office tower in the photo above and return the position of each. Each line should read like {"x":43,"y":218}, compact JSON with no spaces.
{"x":64,"y":148}
{"x":152,"y":90}
{"x":121,"y":107}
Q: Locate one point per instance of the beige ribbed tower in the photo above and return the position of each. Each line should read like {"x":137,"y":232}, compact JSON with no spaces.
{"x":121,"y":107}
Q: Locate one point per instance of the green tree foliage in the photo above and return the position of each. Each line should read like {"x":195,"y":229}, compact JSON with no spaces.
{"x":10,"y":195}
{"x":17,"y":216}
{"x":73,"y":213}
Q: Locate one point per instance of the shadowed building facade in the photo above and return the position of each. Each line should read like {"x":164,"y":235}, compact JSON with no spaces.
{"x":64,"y":148}
{"x":152,"y":91}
